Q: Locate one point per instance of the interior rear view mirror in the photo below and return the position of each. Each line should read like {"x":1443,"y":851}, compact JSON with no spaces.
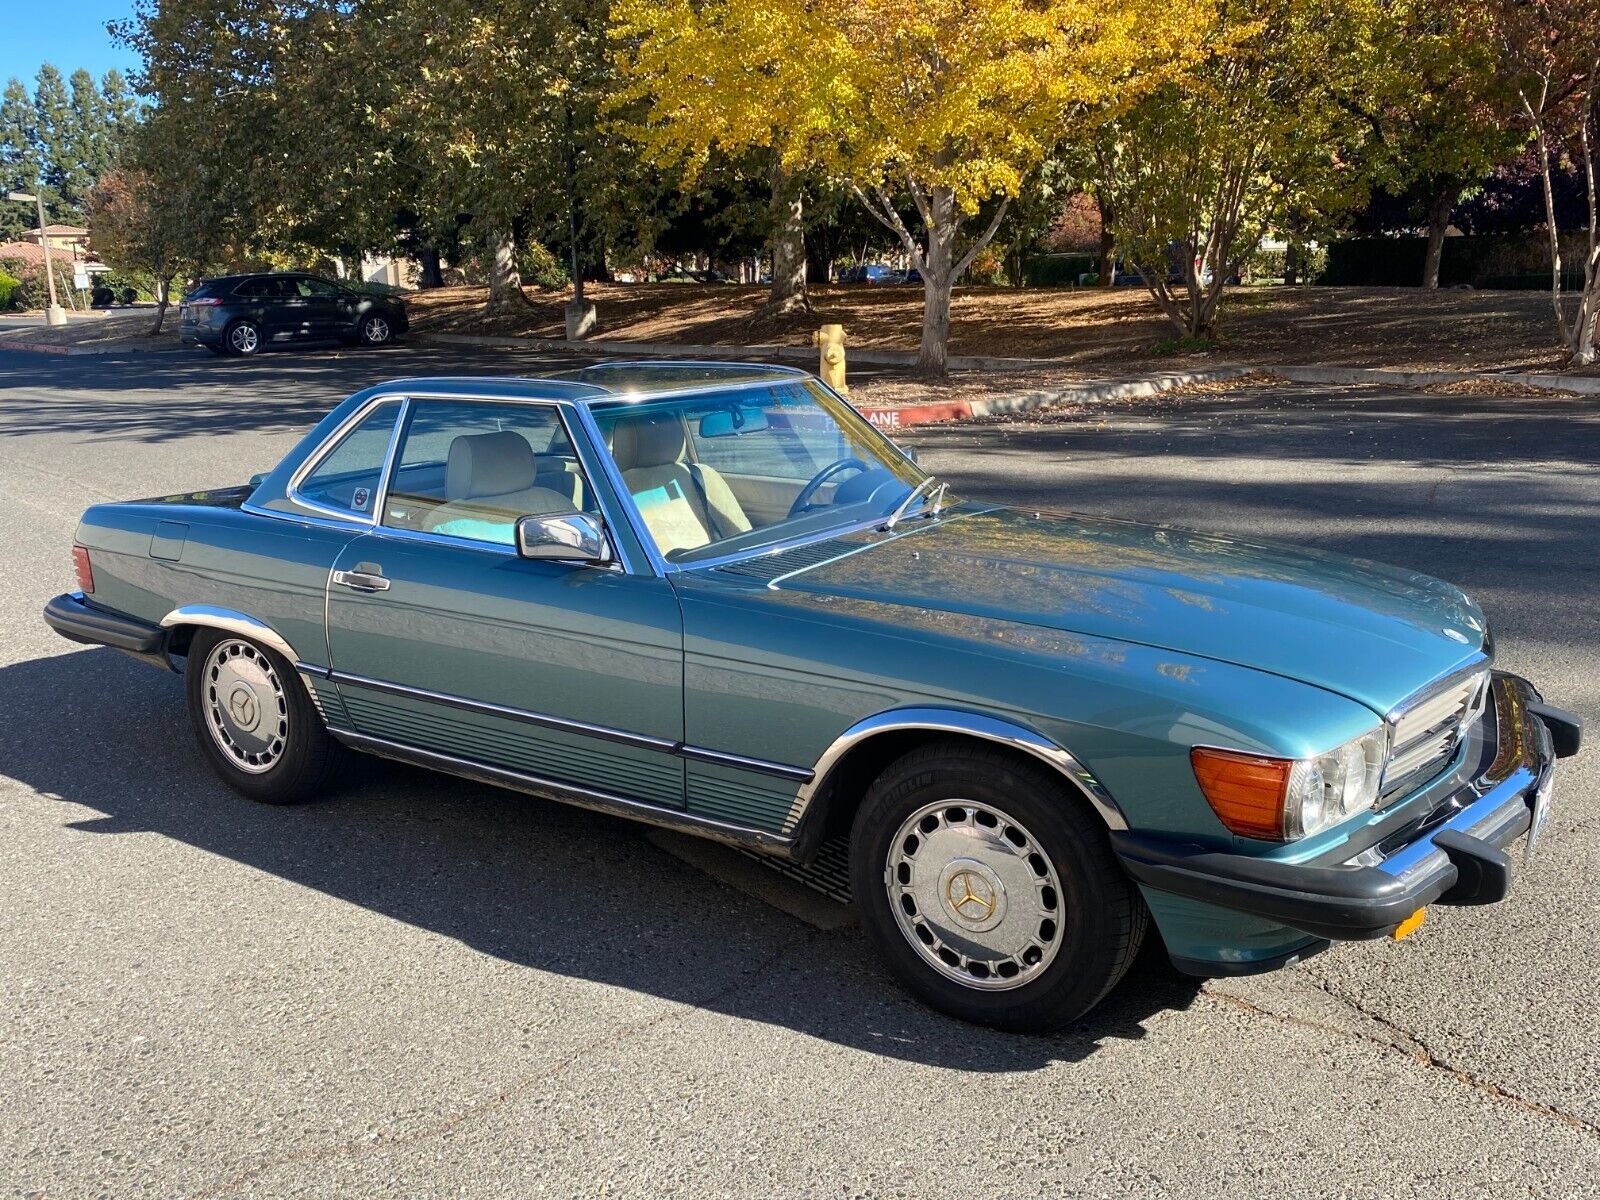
{"x":730,"y":422}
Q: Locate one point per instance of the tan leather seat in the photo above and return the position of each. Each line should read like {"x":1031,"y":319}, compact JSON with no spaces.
{"x":684,"y":504}
{"x":494,"y":478}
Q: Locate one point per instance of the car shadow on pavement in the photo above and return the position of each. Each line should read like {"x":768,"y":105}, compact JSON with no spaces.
{"x":95,"y":730}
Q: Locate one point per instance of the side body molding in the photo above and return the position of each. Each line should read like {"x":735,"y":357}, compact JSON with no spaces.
{"x":229,"y":621}
{"x":969,"y":724}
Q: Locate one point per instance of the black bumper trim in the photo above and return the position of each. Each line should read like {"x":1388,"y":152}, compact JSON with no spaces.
{"x":1327,"y":902}
{"x":1566,"y":729}
{"x":1343,"y":901}
{"x":75,"y":618}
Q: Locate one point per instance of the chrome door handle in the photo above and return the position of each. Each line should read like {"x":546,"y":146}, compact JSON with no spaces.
{"x":361,"y":581}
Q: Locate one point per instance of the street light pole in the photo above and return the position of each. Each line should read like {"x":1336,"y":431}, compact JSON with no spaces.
{"x":55,"y":314}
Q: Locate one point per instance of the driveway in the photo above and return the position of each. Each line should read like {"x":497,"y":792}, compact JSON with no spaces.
{"x":426,"y":987}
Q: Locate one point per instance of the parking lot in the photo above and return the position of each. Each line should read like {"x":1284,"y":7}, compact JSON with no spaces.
{"x":427,"y":987}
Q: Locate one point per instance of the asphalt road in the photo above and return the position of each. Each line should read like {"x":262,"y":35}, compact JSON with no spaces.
{"x":425,"y":988}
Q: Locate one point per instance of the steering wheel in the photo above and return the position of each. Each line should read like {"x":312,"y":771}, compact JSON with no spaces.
{"x":803,"y":501}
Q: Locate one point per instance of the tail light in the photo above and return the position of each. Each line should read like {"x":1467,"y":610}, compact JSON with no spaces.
{"x":203,"y":302}
{"x":80,"y":564}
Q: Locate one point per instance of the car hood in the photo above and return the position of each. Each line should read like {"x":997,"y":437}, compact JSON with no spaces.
{"x":1367,"y":631}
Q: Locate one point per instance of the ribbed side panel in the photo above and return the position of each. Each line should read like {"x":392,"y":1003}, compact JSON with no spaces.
{"x":740,"y":797}
{"x":327,"y":699}
{"x":647,"y":775}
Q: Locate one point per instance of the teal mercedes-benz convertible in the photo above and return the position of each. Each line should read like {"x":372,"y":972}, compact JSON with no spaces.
{"x":714,"y":598}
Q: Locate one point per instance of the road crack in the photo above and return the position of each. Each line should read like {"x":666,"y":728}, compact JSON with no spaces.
{"x":1411,"y":1046}
{"x":373,"y":1143}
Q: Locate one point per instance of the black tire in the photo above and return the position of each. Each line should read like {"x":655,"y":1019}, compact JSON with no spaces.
{"x":302,"y":760}
{"x":242,"y":339}
{"x":374,"y":329}
{"x":1096,"y":929}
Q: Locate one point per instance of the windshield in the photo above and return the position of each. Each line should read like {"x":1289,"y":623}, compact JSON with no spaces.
{"x":714,"y":474}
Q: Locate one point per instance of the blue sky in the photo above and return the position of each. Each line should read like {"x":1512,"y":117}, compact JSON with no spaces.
{"x":68,"y":33}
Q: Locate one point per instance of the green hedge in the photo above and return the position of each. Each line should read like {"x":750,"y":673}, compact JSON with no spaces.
{"x":1513,"y":260}
{"x":8,"y":289}
{"x":1057,"y":270}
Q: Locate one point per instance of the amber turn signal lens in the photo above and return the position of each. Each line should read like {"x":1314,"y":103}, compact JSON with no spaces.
{"x":80,"y":564}
{"x":1246,"y":791}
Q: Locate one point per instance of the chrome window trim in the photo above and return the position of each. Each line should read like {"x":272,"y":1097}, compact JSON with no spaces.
{"x":947,"y":720}
{"x":328,"y":445}
{"x":625,"y":400}
{"x":608,"y":733}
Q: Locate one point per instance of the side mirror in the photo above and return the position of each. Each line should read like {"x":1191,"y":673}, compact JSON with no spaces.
{"x":572,"y":537}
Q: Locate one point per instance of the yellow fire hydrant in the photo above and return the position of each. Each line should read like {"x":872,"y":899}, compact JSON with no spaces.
{"x":830,"y":339}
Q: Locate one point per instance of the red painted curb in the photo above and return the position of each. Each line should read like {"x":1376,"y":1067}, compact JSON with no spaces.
{"x":916,"y":414}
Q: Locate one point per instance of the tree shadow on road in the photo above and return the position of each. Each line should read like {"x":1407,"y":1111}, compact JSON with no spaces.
{"x":480,"y":865}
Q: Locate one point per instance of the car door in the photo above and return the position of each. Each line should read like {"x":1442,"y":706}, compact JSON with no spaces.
{"x":442,"y":639}
{"x":322,"y":305}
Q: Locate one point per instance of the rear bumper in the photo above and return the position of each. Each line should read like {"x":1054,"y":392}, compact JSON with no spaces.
{"x":1453,"y":854}
{"x":75,"y":618}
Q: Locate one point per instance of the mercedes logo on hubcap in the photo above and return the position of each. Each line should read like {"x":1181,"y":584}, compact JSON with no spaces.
{"x":242,"y":707}
{"x":969,"y":895}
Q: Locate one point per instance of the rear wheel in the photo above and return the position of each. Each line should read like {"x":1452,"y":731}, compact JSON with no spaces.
{"x":255,"y":722}
{"x":243,"y":338}
{"x":990,"y":890}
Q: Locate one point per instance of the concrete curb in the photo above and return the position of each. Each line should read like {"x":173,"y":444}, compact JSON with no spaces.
{"x":1585,"y":385}
{"x":1097,"y":391}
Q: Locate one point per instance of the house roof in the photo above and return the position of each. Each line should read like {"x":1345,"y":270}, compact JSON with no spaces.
{"x":29,"y":252}
{"x":61,"y":231}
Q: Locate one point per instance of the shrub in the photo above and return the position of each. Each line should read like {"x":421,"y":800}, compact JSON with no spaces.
{"x":540,"y":267}
{"x":8,"y":290}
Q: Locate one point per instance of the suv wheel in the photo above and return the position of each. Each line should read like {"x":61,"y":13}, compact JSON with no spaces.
{"x":375,"y":330}
{"x":243,"y":338}
{"x":255,"y":722}
{"x":990,"y":889}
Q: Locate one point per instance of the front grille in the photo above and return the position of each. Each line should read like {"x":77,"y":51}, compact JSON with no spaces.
{"x":1428,"y":729}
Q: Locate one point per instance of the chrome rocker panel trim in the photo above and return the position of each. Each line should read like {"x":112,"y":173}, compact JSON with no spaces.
{"x":566,"y":793}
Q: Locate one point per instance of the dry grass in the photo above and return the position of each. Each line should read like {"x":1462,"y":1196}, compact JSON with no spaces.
{"x":1097,"y":332}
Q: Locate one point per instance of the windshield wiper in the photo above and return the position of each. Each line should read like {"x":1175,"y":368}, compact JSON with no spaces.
{"x":894,"y":517}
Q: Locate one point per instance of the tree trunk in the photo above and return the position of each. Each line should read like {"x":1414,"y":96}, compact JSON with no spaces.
{"x":163,"y":298}
{"x":1439,"y":207}
{"x":938,"y":277}
{"x":1291,"y":263}
{"x":505,"y":284}
{"x":1108,"y":243}
{"x":788,"y":294}
{"x":432,"y":274}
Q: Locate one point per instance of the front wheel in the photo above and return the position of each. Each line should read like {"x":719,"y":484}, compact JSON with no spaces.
{"x":375,"y":330}
{"x":990,"y":889}
{"x":255,"y":722}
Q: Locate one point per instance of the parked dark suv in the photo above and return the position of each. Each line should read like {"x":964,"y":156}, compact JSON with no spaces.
{"x":239,"y":314}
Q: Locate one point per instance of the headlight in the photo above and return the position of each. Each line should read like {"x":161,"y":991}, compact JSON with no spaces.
{"x":1280,"y":799}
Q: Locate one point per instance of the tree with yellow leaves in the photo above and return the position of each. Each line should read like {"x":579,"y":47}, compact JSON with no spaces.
{"x":947,"y":103}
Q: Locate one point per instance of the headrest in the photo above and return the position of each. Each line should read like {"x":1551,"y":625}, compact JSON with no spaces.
{"x":647,"y":441}
{"x":488,"y":464}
